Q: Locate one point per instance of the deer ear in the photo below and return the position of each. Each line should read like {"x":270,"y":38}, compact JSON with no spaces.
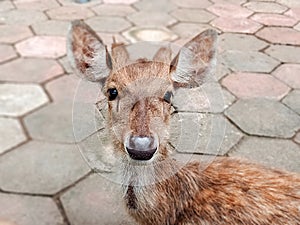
{"x":87,"y":53}
{"x":195,"y":60}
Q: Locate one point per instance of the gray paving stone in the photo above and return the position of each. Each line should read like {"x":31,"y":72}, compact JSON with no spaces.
{"x":282,"y":154}
{"x":11,"y":134}
{"x":64,"y":61}
{"x":193,"y":15}
{"x":72,"y":12}
{"x":18,"y":99}
{"x":287,"y":54}
{"x":96,"y":201}
{"x":5,"y":6}
{"x":36,"y":5}
{"x":11,"y":34}
{"x":151,"y":18}
{"x":48,"y":168}
{"x":7,"y":53}
{"x":29,"y":210}
{"x":22,"y":17}
{"x":264,"y":117}
{"x":51,"y":28}
{"x":292,"y":100}
{"x":30,"y":70}
{"x":297,"y":138}
{"x":113,"y":10}
{"x":55,"y":123}
{"x":203,"y":133}
{"x":250,"y":61}
{"x":155,"y":5}
{"x":241,"y":42}
{"x":202,"y":4}
{"x":189,"y":30}
{"x":108,"y":24}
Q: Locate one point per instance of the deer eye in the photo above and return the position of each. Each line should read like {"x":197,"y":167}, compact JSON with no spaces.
{"x":112,"y":94}
{"x":168,"y":96}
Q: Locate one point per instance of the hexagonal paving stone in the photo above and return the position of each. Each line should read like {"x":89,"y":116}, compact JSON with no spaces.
{"x":56,"y":166}
{"x":226,"y":10}
{"x":276,"y":153}
{"x":238,"y":2}
{"x":202,"y":4}
{"x":202,"y":133}
{"x":55,"y":122}
{"x":252,"y":85}
{"x":155,"y":5}
{"x":5,"y":6}
{"x":293,"y":100}
{"x":289,"y":73}
{"x":157,"y":18}
{"x":64,"y":61}
{"x":297,"y":27}
{"x":290,"y":3}
{"x":96,"y":201}
{"x":294,"y":13}
{"x":11,"y":134}
{"x":249,"y":61}
{"x":136,"y":34}
{"x":19,"y":99}
{"x":108,"y":24}
{"x":266,"y":7}
{"x":297,"y":138}
{"x":36,"y":4}
{"x":193,"y":15}
{"x":280,"y":35}
{"x":88,"y":4}
{"x":70,"y":13}
{"x":287,"y":54}
{"x":189,"y":30}
{"x":13,"y":33}
{"x":22,"y":17}
{"x":51,"y":28}
{"x":113,"y":10}
{"x":6,"y":53}
{"x":253,"y":117}
{"x":30,"y":70}
{"x":238,"y":25}
{"x":270,"y":19}
{"x":38,"y":46}
{"x":120,"y":1}
{"x":242,"y":42}
{"x":29,"y":210}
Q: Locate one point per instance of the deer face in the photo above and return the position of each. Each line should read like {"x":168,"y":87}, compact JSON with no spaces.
{"x":139,"y":94}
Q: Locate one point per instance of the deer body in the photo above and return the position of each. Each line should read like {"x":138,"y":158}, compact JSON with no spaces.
{"x":159,"y":190}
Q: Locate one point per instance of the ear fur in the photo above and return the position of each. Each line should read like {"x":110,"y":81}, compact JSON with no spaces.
{"x":120,"y":56}
{"x":87,"y":53}
{"x":195,"y":60}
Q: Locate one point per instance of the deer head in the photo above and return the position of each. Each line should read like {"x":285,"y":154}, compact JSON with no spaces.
{"x":139,"y":93}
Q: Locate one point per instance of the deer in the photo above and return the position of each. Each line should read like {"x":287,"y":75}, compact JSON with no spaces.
{"x":158,"y":190}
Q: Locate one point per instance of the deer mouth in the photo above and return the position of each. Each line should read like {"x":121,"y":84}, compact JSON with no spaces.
{"x":141,"y":154}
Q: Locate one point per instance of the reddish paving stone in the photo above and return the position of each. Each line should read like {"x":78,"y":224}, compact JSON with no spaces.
{"x":193,"y":15}
{"x":43,"y":47}
{"x":252,"y":85}
{"x":202,"y":4}
{"x":294,"y":13}
{"x":189,"y":30}
{"x":266,"y":7}
{"x":30,"y":70}
{"x":280,"y":35}
{"x":110,"y":24}
{"x":11,"y":34}
{"x":286,"y":54}
{"x":290,"y":74}
{"x":22,"y":17}
{"x":269,"y":19}
{"x":297,"y":27}
{"x":36,"y":4}
{"x":239,"y":25}
{"x":70,"y":13}
{"x":229,"y":10}
{"x":6,"y":53}
{"x":5,"y":6}
{"x":51,"y":28}
{"x":113,"y":10}
{"x":157,"y":19}
{"x":29,"y":210}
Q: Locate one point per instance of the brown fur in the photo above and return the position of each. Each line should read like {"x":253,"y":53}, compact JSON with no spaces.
{"x":161,"y":191}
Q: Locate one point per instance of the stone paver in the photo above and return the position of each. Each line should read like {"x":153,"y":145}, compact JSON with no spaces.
{"x":238,"y":25}
{"x":157,"y":19}
{"x":30,"y":70}
{"x":108,"y":23}
{"x":11,"y":134}
{"x":266,"y":7}
{"x":274,"y":153}
{"x":51,"y":28}
{"x":270,"y":19}
{"x":100,"y":203}
{"x":113,"y":10}
{"x":22,"y":17}
{"x":48,"y":168}
{"x":292,"y":100}
{"x":189,"y":30}
{"x":155,"y":5}
{"x":253,"y":117}
{"x":280,"y":35}
{"x":193,"y":15}
{"x":297,"y":138}
{"x":252,"y":85}
{"x":29,"y":210}
{"x":70,"y":13}
{"x":13,"y":33}
{"x":297,"y":27}
{"x":6,"y":5}
{"x":127,"y":2}
{"x":238,"y":2}
{"x":19,"y":99}
{"x":229,"y":10}
{"x":202,"y":4}
{"x":38,"y":46}
{"x":149,"y":34}
{"x":290,"y":3}
{"x":289,"y":73}
{"x":294,"y":13}
{"x":75,"y":3}
{"x":36,"y":4}
{"x":250,"y":61}
{"x":287,"y":54}
{"x":6,"y":53}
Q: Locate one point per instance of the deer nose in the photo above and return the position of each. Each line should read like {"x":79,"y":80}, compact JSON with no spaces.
{"x":141,"y":147}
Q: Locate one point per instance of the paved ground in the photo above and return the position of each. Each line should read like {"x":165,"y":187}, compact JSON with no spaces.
{"x":43,"y":178}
